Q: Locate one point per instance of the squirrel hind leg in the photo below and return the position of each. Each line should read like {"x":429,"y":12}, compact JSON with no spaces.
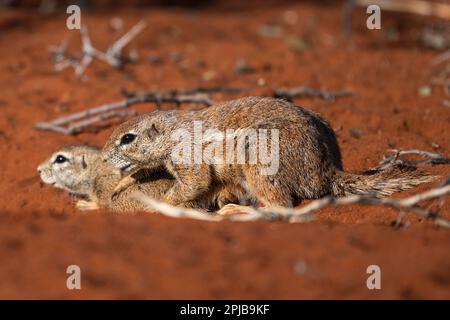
{"x":270,"y":193}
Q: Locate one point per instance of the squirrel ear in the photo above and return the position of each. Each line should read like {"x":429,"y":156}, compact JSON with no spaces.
{"x":152,"y":131}
{"x":83,"y":162}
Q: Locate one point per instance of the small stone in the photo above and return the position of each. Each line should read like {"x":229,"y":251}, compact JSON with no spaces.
{"x":133,"y":56}
{"x":298,"y":43}
{"x":290,"y":17}
{"x":434,"y":40}
{"x":261,"y":82}
{"x":175,"y":56}
{"x":208,"y":75}
{"x":201,"y":63}
{"x":154,"y":59}
{"x":392,"y":34}
{"x":355,"y":133}
{"x":300,"y":267}
{"x":425,"y":91}
{"x":270,"y":31}
{"x":242,"y":66}
{"x":63,"y":107}
{"x":116,"y":23}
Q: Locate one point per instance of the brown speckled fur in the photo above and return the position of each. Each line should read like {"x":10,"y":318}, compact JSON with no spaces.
{"x":87,"y":176}
{"x":309,"y":166}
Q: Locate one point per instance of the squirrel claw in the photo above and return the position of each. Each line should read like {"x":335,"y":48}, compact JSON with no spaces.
{"x":115,"y":194}
{"x":117,"y":191}
{"x":122,"y":185}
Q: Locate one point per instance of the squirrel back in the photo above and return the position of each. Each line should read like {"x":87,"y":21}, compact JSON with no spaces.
{"x":304,"y":161}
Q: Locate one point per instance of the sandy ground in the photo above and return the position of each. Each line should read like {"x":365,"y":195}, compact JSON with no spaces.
{"x":150,"y":256}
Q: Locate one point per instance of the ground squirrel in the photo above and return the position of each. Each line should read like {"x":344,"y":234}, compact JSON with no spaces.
{"x":309,"y":163}
{"x":80,"y":170}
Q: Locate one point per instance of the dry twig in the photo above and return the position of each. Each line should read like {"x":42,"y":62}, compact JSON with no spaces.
{"x":305,"y":213}
{"x":420,"y":7}
{"x":171,"y":211}
{"x":298,"y":92}
{"x":79,"y":121}
{"x":442,"y":74}
{"x":441,"y":58}
{"x":113,"y":55}
{"x":434,"y":158}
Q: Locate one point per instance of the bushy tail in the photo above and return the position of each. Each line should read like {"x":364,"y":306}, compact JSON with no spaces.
{"x":379,"y":183}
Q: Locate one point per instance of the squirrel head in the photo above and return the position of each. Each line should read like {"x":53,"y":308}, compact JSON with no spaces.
{"x":72,"y":169}
{"x":141,"y":141}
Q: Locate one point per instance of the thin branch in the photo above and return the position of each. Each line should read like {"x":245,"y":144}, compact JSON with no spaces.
{"x":106,"y":111}
{"x":442,"y":77}
{"x":115,"y":51}
{"x":304,"y":213}
{"x":113,"y":55}
{"x":407,"y":204}
{"x":435,"y":159}
{"x":171,"y":211}
{"x":77,"y":122}
{"x":217,"y":89}
{"x":81,"y":125}
{"x":441,"y":58}
{"x":298,"y":92}
{"x":347,"y":13}
{"x":81,"y":67}
{"x":420,"y":7}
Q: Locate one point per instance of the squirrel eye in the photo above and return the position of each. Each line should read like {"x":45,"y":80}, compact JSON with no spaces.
{"x":127,"y":138}
{"x":60,"y":159}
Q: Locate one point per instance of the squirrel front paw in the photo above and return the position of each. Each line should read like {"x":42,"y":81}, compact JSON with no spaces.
{"x":232,"y":208}
{"x":122,"y":186}
{"x":84,"y":205}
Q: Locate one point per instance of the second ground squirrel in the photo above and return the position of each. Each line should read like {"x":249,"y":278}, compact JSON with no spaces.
{"x":309,"y":165}
{"x":80,"y":170}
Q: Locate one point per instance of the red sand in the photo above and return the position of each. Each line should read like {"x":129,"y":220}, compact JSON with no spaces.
{"x":151,"y":256}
